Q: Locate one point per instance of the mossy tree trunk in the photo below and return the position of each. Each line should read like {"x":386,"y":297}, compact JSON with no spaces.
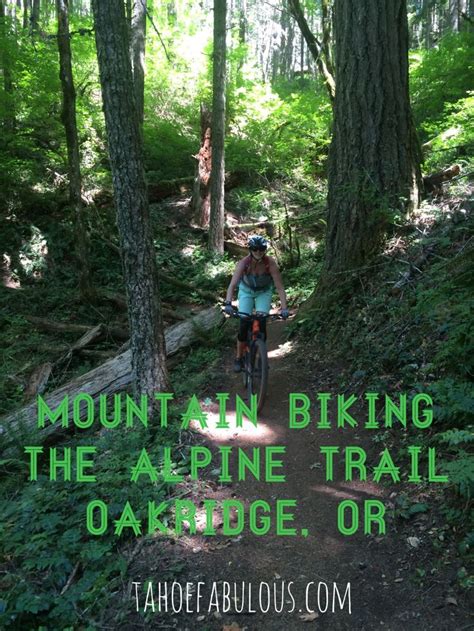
{"x":8,"y":94}
{"x":133,"y":218}
{"x":68,"y":117}
{"x":137,"y":54}
{"x":216,"y":224}
{"x":374,"y":157}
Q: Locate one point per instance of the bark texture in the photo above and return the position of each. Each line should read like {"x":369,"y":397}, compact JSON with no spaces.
{"x":69,"y":121}
{"x":137,"y":54}
{"x":131,"y":199}
{"x":201,"y":191}
{"x":34,"y":17}
{"x":216,"y":225}
{"x":326,"y":44}
{"x":374,"y":156}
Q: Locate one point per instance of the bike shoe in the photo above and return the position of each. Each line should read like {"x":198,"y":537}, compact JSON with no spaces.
{"x":238,"y":364}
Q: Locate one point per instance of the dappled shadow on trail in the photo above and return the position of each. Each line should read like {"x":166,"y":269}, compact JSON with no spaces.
{"x":303,"y":575}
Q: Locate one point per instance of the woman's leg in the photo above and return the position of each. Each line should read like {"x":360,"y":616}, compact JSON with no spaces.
{"x":263,"y":303}
{"x":245,"y":305}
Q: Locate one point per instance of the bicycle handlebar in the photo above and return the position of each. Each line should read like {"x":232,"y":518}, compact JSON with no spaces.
{"x":254,"y":316}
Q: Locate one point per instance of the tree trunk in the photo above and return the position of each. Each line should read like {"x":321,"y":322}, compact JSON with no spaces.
{"x":137,"y":53}
{"x":374,"y":157}
{"x":68,"y":117}
{"x":26,"y":10}
{"x":242,"y":38}
{"x":327,"y":28}
{"x":314,"y":47}
{"x":302,"y":60}
{"x":171,"y":12}
{"x":468,"y":16}
{"x":243,"y":22}
{"x":454,"y":15}
{"x":216,"y":225}
{"x":287,"y":42}
{"x":34,"y":18}
{"x":133,"y":218}
{"x":9,"y":117}
{"x":428,"y":21}
{"x":201,"y":193}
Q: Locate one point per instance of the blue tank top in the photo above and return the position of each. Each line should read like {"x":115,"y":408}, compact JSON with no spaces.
{"x":257,"y":281}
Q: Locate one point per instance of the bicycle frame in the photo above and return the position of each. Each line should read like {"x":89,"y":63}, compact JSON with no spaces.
{"x":253,"y":334}
{"x":255,"y":368}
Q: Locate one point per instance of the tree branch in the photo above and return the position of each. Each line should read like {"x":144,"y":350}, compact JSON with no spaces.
{"x":315,"y":47}
{"x":157,"y":32}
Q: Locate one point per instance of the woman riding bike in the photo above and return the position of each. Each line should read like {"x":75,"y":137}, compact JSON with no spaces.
{"x":255,"y":275}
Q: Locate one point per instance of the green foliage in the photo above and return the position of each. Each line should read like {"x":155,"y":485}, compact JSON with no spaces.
{"x":168,"y":152}
{"x":45,"y":540}
{"x":419,"y":340}
{"x":441,"y":76}
{"x":406,"y":509}
{"x":453,"y":136}
{"x":278,"y":135}
{"x":454,"y":437}
{"x":193,"y":375}
{"x":454,"y":401}
{"x":461,"y":472}
{"x":36,"y":141}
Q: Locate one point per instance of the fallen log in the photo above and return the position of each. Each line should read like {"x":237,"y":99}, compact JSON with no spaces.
{"x":66,"y":327}
{"x":433,"y":183}
{"x":172,"y":280}
{"x":109,"y":378}
{"x":96,"y":354}
{"x":94,"y":334}
{"x":165,"y":188}
{"x":157,"y":190}
{"x":121,"y":302}
{"x":234,"y":249}
{"x":413,"y":269}
{"x":38,"y":381}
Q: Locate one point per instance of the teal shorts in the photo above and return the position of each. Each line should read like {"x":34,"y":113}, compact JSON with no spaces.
{"x":250,"y":299}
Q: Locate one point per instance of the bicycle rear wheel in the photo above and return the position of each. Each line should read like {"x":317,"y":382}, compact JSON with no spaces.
{"x":258,"y":377}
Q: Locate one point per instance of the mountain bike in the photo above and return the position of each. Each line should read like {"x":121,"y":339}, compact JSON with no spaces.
{"x":255,"y":357}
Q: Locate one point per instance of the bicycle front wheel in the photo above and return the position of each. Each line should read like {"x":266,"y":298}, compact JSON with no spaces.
{"x":258,"y":377}
{"x":246,"y":369}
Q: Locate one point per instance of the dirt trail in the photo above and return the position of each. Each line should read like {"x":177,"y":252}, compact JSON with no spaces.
{"x":381,"y":570}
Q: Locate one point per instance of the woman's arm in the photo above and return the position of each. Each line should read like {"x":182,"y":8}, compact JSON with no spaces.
{"x":275,"y":272}
{"x":239,"y":270}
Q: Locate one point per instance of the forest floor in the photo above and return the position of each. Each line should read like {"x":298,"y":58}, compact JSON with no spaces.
{"x":398,"y":581}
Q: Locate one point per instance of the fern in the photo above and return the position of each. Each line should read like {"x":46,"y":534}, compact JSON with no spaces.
{"x":454,"y":437}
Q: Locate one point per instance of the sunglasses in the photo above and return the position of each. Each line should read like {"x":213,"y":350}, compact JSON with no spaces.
{"x":260,"y":249}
